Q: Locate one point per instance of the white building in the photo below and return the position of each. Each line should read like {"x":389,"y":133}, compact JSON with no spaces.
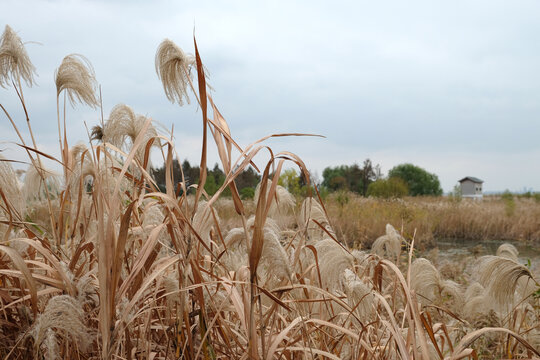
{"x":471,"y":187}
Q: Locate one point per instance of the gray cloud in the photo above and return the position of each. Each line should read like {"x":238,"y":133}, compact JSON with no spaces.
{"x":452,"y":87}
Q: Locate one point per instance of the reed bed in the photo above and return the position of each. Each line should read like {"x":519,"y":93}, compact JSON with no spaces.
{"x":359,"y":221}
{"x":96,"y":263}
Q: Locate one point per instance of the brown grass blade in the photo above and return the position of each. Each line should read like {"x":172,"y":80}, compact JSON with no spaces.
{"x":119,"y":251}
{"x":63,"y":277}
{"x":203,"y":103}
{"x":467,"y":340}
{"x":140,"y":261}
{"x":21,"y":265}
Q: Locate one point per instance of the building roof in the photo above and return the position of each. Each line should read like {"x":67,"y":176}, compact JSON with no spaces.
{"x":471,"y":178}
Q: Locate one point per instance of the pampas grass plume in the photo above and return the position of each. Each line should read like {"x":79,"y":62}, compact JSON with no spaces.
{"x":312,"y":210}
{"x":508,"y":251}
{"x":333,"y":260}
{"x":34,"y":187}
{"x":389,"y":244}
{"x":14,"y":59}
{"x":173,"y":68}
{"x":425,"y":278}
{"x":65,"y":316}
{"x":500,"y":277}
{"x":123,"y":124}
{"x":76,"y":76}
{"x":359,"y":294}
{"x":10,"y":186}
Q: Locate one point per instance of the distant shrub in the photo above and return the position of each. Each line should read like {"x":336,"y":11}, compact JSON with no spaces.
{"x":507,"y":195}
{"x":455,"y":195}
{"x":342,"y":198}
{"x":419,"y":181}
{"x":388,"y":188}
{"x":247,"y":193}
{"x":509,"y":203}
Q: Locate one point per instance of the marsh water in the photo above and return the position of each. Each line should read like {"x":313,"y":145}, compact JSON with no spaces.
{"x":455,"y":249}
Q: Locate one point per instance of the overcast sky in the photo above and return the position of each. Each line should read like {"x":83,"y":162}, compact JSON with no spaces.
{"x":453,"y":87}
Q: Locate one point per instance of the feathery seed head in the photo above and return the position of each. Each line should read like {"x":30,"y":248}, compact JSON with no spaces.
{"x":76,"y":76}
{"x":203,"y":221}
{"x":282,"y":201}
{"x":97,"y":133}
{"x":122,"y":129}
{"x":34,"y":185}
{"x":389,"y":244}
{"x":173,"y":68}
{"x":333,"y":260}
{"x":274,"y":258}
{"x":508,"y":251}
{"x":312,"y":210}
{"x":10,"y":187}
{"x":474,"y":290}
{"x":359,"y":294}
{"x":500,"y":277}
{"x":425,"y":278}
{"x":65,"y":316}
{"x":14,"y":59}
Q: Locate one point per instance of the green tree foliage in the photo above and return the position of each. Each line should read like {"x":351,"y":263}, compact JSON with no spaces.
{"x":388,"y":188}
{"x":248,"y":178}
{"x":290,"y":180}
{"x":247,"y":193}
{"x":369,"y":174}
{"x":215,"y":177}
{"x":418,"y":180}
{"x":294,"y":181}
{"x":334,"y":177}
{"x":353,"y":178}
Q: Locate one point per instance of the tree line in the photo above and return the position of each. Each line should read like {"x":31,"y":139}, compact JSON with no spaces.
{"x":245,"y":181}
{"x":366,"y":180}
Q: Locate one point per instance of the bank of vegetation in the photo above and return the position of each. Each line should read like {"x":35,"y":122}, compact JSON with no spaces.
{"x":360,"y":220}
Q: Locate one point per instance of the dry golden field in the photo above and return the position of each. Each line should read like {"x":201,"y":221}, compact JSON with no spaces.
{"x":96,"y":263}
{"x":361,"y":220}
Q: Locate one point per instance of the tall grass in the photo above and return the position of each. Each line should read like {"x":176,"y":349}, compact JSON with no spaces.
{"x":359,"y":221}
{"x":100,"y":264}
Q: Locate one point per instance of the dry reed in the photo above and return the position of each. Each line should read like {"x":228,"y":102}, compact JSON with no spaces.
{"x":14,"y":60}
{"x":126,"y":271}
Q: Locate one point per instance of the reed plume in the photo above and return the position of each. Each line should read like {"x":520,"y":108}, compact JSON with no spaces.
{"x":14,"y":59}
{"x":123,"y":125}
{"x":280,"y":205}
{"x":122,"y":128}
{"x":310,"y":212}
{"x":34,"y":183}
{"x":76,"y":76}
{"x":431,"y":287}
{"x":425,"y":278}
{"x":274,"y":260}
{"x":508,"y":251}
{"x":203,"y":221}
{"x":173,"y":68}
{"x":333,"y":260}
{"x":64,"y":316}
{"x":359,"y":295}
{"x":389,"y":244}
{"x":10,"y":187}
{"x":500,"y":277}
{"x":82,"y":168}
